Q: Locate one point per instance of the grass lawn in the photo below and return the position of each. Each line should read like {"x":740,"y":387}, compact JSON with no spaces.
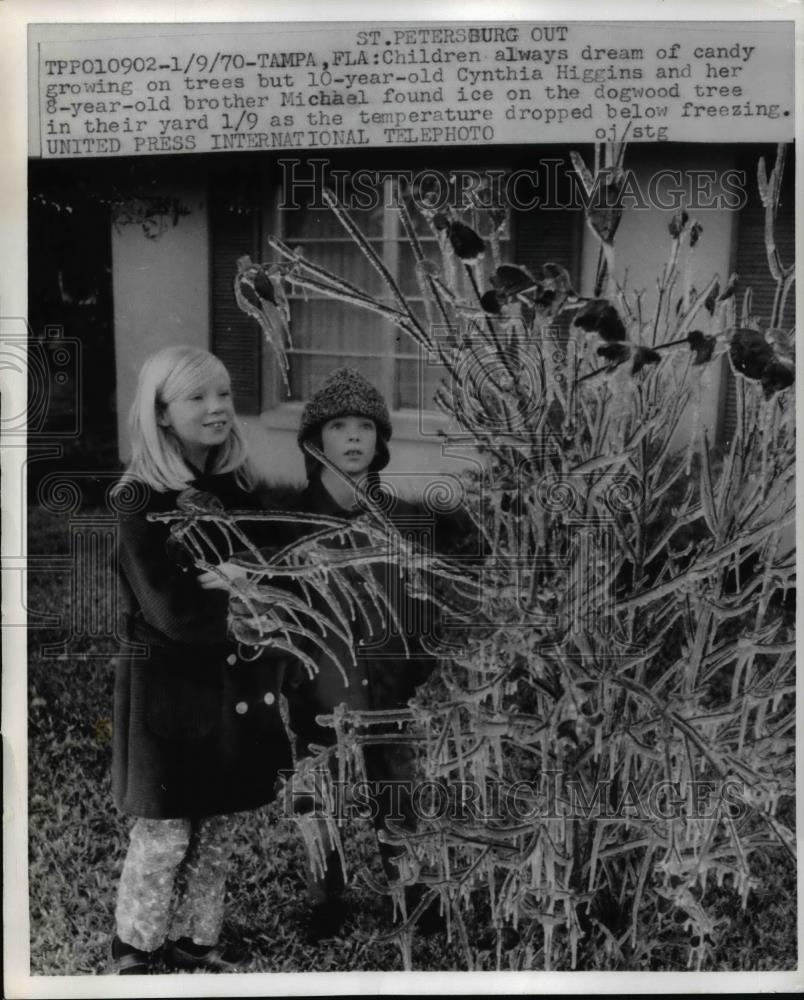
{"x":77,"y":839}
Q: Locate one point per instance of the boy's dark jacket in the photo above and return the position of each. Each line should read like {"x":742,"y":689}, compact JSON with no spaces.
{"x":197,"y":729}
{"x":388,"y":669}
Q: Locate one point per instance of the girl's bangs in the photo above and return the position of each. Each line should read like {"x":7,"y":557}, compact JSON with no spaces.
{"x":197,"y":370}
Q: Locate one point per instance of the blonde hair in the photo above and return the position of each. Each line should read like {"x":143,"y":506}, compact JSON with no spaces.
{"x":156,"y":455}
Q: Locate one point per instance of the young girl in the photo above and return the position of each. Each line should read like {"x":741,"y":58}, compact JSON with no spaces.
{"x":197,"y":730}
{"x":347,"y":420}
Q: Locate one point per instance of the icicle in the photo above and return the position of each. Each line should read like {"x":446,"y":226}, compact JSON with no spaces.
{"x":574,"y":936}
{"x":598,"y":742}
{"x":767,"y":439}
{"x":735,"y":681}
{"x":405,"y":943}
{"x":694,"y":430}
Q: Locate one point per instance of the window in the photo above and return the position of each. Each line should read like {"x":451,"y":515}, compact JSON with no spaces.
{"x":328,"y":333}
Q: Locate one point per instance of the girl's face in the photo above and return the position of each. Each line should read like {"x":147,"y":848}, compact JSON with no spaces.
{"x":201,"y":418}
{"x":350,"y":444}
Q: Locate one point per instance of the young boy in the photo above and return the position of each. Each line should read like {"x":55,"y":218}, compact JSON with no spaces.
{"x":347,"y":420}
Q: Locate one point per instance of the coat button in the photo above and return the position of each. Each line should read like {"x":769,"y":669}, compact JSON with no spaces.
{"x":364,"y":682}
{"x":269,"y":698}
{"x":231,"y":659}
{"x":241,"y":708}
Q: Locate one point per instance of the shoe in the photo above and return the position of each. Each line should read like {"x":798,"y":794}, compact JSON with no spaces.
{"x":326,"y":919}
{"x":126,"y":960}
{"x":213,"y":958}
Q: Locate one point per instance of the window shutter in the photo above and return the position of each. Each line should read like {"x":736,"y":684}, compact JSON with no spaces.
{"x":236,"y":338}
{"x":551,"y":236}
{"x":751,"y":265}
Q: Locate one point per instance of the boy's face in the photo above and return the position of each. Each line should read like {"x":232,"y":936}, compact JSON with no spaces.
{"x":350,"y":444}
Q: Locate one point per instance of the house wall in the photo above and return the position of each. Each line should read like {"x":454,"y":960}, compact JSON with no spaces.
{"x":161,"y":292}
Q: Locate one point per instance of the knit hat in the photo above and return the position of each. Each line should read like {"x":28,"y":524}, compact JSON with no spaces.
{"x":346,"y":393}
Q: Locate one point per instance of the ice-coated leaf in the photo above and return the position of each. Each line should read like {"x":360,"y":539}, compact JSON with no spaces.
{"x":583,"y":171}
{"x":678,"y":223}
{"x":602,"y":318}
{"x":777,"y":375}
{"x":701,"y":345}
{"x":509,"y":281}
{"x":614,"y":353}
{"x":750,"y":353}
{"x":468,"y":246}
{"x":729,"y":290}
{"x":490,"y":302}
{"x":644,"y":356}
{"x":712,"y":298}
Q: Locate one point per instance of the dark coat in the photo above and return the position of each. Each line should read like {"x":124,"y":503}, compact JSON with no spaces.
{"x":387,"y":670}
{"x":197,"y":727}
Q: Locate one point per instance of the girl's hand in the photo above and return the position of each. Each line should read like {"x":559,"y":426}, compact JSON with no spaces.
{"x":214,"y":579}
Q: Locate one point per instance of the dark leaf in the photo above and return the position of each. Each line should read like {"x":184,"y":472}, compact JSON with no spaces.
{"x":509,"y":938}
{"x":615,"y":352}
{"x":250,"y":295}
{"x":545,"y":297}
{"x":566,"y":730}
{"x":440,"y":221}
{"x":728,"y":291}
{"x":644,"y":356}
{"x":778,"y":375}
{"x":556,"y":276}
{"x":603,"y":318}
{"x":701,"y":345}
{"x":509,"y":280}
{"x":263,"y":286}
{"x":711,"y":298}
{"x":750,"y":353}
{"x":678,"y":223}
{"x":427,"y":268}
{"x":695,"y":233}
{"x":467,"y":245}
{"x":490,"y":302}
{"x":690,"y":295}
{"x":555,"y":287}
{"x":783,"y":342}
{"x":605,"y":222}
{"x":605,"y":213}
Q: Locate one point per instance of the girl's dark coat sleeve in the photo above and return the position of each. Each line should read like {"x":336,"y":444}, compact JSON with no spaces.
{"x":168,"y":598}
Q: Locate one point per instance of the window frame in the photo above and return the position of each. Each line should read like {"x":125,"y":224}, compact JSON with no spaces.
{"x":274,"y":397}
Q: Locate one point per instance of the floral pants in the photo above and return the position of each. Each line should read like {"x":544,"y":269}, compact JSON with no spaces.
{"x":190,"y":857}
